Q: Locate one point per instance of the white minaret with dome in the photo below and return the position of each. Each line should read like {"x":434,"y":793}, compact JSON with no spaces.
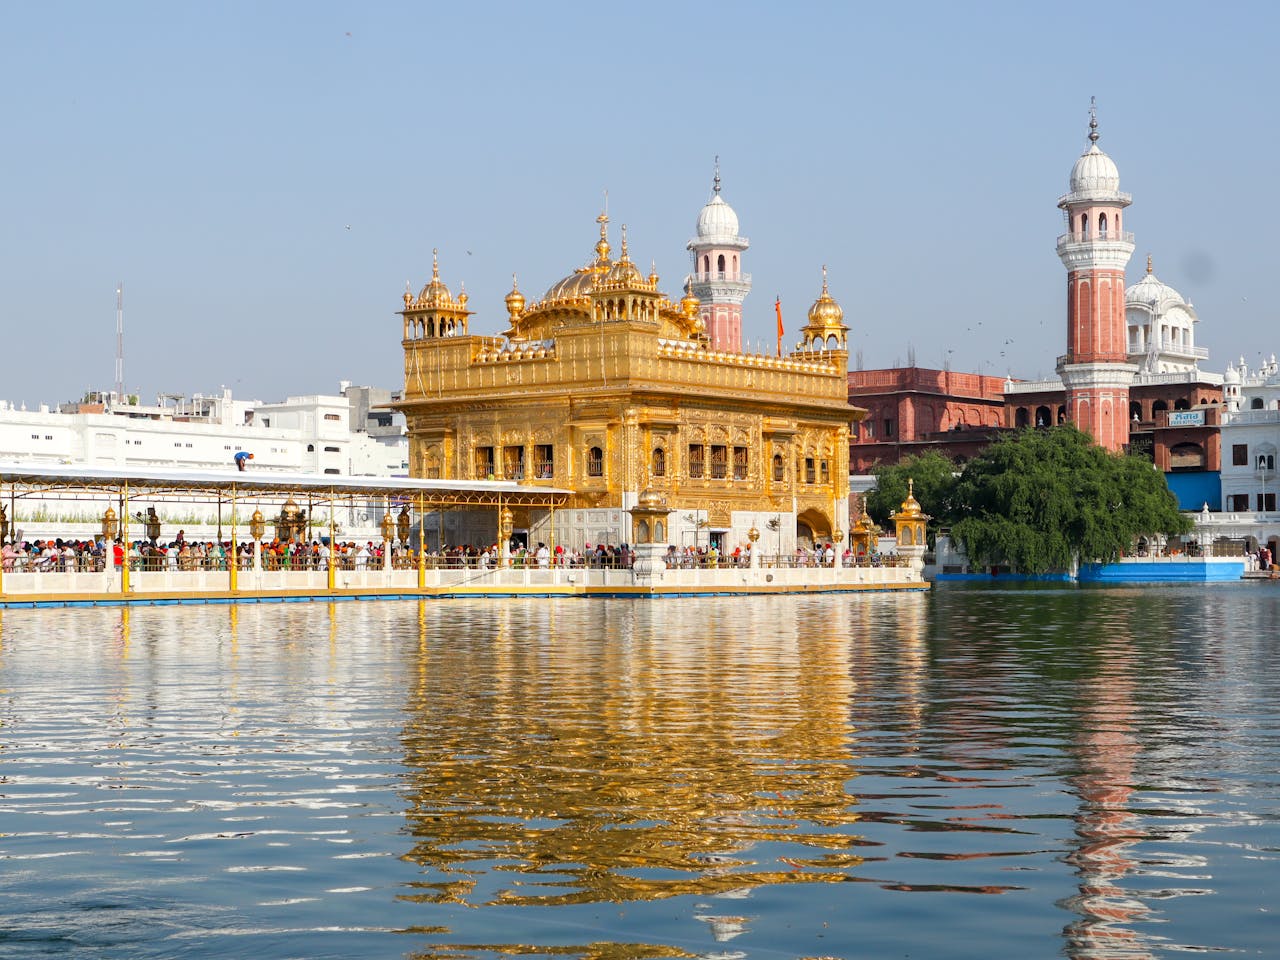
{"x":1095,"y":370}
{"x":717,"y":279}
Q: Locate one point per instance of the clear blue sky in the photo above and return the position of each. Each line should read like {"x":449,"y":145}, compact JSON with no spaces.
{"x":264,"y":177}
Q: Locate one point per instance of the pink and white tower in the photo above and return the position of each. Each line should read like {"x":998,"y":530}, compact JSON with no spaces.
{"x":1095,"y":250}
{"x":717,"y":279}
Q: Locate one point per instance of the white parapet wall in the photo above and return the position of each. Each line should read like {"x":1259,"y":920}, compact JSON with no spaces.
{"x":106,"y":585}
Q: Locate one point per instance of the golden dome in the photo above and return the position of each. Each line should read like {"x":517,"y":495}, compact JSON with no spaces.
{"x":515,"y":299}
{"x":624,"y":271}
{"x":435,"y":293}
{"x":825,"y":312}
{"x":576,"y":286}
{"x":579,"y":284}
{"x":689,"y":304}
{"x":910,"y":506}
{"x":651,"y":499}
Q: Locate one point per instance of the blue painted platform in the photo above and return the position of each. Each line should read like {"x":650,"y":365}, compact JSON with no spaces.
{"x":1180,"y":570}
{"x":1169,"y":570}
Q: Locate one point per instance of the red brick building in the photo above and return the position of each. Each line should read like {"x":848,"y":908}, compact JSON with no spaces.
{"x":911,"y":410}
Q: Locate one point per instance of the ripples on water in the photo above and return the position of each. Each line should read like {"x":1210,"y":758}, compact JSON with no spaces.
{"x":975,"y":773}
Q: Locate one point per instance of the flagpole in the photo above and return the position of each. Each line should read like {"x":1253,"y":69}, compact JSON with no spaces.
{"x":777,"y":307}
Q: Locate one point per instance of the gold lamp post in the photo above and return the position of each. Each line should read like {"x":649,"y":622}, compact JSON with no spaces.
{"x":109,"y":525}
{"x":4,"y":524}
{"x":402,"y":526}
{"x":838,"y":537}
{"x":754,"y":536}
{"x":257,"y":527}
{"x":388,"y":534}
{"x":505,"y":521}
{"x":153,"y":525}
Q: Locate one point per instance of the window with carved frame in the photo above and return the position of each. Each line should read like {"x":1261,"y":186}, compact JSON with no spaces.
{"x":658,"y":462}
{"x":696,"y":454}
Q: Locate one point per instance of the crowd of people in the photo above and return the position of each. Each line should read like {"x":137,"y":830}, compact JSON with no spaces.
{"x":181,"y":554}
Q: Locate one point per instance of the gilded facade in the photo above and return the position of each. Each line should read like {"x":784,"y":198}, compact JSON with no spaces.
{"x":607,"y":387}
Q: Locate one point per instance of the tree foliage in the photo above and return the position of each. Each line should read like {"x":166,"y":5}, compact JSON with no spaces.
{"x":935,"y":484}
{"x":1040,"y":499}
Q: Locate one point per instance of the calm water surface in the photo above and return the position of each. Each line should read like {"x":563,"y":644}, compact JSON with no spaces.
{"x":1012,"y":773}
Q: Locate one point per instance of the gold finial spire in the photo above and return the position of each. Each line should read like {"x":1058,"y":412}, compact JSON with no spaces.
{"x":911,"y":488}
{"x":624,"y":243}
{"x":824,"y":280}
{"x":1148,"y":264}
{"x":602,"y":246}
{"x":435,"y":263}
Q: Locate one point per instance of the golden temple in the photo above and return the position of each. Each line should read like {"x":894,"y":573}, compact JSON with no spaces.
{"x":609,"y":388}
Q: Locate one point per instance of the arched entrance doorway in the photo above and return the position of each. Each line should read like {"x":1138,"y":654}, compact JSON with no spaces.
{"x":812,"y":526}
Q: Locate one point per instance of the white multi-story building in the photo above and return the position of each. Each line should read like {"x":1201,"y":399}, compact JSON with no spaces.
{"x":324,"y":434}
{"x":1250,"y":440}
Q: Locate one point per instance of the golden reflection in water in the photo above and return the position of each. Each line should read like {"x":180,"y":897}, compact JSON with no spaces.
{"x":120,"y":641}
{"x":660,"y":768}
{"x":1107,"y":747}
{"x":122,"y":634}
{"x":913,"y":663}
{"x":233,"y":664}
{"x":333,"y":663}
{"x":586,"y":951}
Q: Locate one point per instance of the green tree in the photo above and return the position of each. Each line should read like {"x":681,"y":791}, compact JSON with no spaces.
{"x":935,"y":484}
{"x":1040,"y":500}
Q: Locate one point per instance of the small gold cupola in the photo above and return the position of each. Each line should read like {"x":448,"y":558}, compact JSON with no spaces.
{"x":826,"y":330}
{"x":909,"y":522}
{"x":435,"y":312}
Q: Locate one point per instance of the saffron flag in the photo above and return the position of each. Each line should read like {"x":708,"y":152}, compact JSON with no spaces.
{"x":777,"y":307}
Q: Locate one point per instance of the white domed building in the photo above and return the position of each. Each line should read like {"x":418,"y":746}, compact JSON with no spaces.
{"x":1162,"y":336}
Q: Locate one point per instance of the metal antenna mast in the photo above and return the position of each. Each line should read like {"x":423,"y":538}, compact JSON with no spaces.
{"x":120,"y":343}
